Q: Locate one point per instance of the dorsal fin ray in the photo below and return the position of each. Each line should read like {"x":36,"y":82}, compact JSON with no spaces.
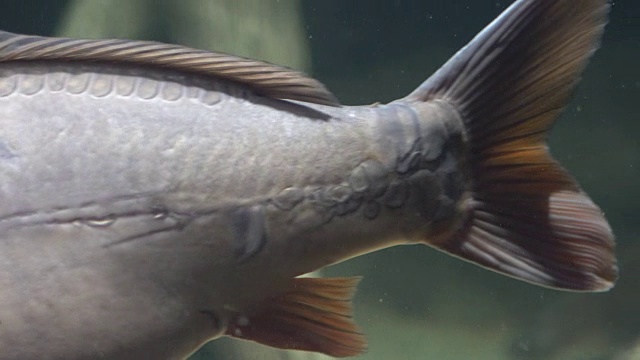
{"x":263,"y":78}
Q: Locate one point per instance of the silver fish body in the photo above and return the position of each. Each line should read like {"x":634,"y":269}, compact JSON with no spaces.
{"x":154,"y":197}
{"x":110,"y":176}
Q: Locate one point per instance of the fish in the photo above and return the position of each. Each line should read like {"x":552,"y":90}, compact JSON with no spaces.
{"x":155,"y":197}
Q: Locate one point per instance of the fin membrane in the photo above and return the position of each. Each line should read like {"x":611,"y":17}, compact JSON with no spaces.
{"x":527,"y":217}
{"x":263,"y":78}
{"x":315,"y":315}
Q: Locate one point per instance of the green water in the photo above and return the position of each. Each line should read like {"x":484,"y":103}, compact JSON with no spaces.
{"x":416,"y":303}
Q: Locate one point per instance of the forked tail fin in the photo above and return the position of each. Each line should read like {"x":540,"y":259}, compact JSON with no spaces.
{"x":527,"y":217}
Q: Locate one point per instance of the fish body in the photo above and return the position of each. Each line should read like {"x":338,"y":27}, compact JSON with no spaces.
{"x":155,"y":197}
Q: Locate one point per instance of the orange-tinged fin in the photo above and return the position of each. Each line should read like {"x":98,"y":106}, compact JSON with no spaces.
{"x":527,"y":217}
{"x":314,"y":315}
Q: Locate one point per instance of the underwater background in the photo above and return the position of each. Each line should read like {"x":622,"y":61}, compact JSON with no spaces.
{"x":414,"y":302}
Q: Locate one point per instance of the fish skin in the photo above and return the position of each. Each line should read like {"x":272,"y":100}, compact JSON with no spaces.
{"x":142,"y":162}
{"x":147,"y":209}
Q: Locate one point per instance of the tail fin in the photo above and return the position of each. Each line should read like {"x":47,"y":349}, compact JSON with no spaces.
{"x":527,"y":217}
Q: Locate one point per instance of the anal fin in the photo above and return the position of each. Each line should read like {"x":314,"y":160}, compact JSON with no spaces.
{"x":314,"y":315}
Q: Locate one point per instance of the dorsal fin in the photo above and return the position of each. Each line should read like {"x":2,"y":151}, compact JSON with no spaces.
{"x":263,"y":78}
